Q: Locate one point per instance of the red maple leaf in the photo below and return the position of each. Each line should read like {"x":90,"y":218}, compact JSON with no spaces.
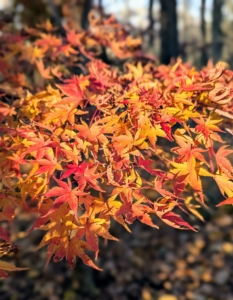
{"x":64,"y":193}
{"x":72,"y":89}
{"x":84,"y":174}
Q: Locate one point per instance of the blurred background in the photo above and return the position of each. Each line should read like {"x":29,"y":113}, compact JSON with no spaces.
{"x":194,"y":30}
{"x":149,"y":264}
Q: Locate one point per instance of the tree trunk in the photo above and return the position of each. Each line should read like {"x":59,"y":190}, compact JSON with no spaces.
{"x":168,"y":33}
{"x":204,"y":56}
{"x":217,"y":34}
{"x":86,"y":9}
{"x":151,"y":24}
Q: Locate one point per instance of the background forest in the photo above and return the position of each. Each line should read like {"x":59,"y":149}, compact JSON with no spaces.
{"x":192,"y":30}
{"x":147,"y":264}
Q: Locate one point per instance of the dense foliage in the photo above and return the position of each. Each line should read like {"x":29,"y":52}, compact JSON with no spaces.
{"x":93,"y":130}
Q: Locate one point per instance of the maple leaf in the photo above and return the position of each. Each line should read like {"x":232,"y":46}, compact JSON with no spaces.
{"x":133,"y":211}
{"x":72,"y":90}
{"x":145,"y":164}
{"x":193,"y":208}
{"x":41,"y":146}
{"x":153,"y":132}
{"x":137,"y":71}
{"x":73,"y":37}
{"x":60,"y":225}
{"x":212,"y":74}
{"x":92,"y":204}
{"x":186,"y":173}
{"x":98,"y":71}
{"x":92,"y":228}
{"x":88,"y":176}
{"x":123,"y":143}
{"x":6,"y":266}
{"x":141,"y":212}
{"x":56,"y":71}
{"x":9,"y":200}
{"x":48,"y":166}
{"x":75,"y":247}
{"x":84,"y":174}
{"x":125,"y":208}
{"x":208,"y":129}
{"x":45,"y":73}
{"x":222,"y":162}
{"x":226,"y":201}
{"x":125,"y":194}
{"x":167,"y":129}
{"x":176,"y":114}
{"x":163,"y":211}
{"x":110,"y":209}
{"x":48,"y":41}
{"x":59,"y":240}
{"x":158,"y":187}
{"x":224,"y":184}
{"x":67,"y":50}
{"x":47,"y":25}
{"x":17,"y":160}
{"x":33,"y":186}
{"x":128,"y":143}
{"x":36,"y":54}
{"x":6,"y":110}
{"x":174,"y":220}
{"x":220,"y":95}
{"x":71,"y":153}
{"x":42,"y":209}
{"x":187,"y":149}
{"x":72,"y":168}
{"x":93,"y":134}
{"x":65,"y":194}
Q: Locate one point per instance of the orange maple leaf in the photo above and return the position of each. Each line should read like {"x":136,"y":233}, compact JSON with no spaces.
{"x":222,"y":162}
{"x":45,"y":73}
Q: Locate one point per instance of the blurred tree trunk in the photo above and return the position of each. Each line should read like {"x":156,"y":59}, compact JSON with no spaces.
{"x":217,"y":34}
{"x":204,"y":56}
{"x":151,"y":24}
{"x":54,"y":12}
{"x":168,"y":33}
{"x":87,"y":6}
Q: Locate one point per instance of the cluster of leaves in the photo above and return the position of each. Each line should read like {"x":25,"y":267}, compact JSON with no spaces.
{"x":55,"y":53}
{"x":123,"y":144}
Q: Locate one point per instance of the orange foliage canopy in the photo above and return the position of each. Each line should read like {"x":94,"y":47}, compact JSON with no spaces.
{"x":125,"y":143}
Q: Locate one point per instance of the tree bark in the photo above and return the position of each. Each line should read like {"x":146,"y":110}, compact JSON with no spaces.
{"x":168,"y":33}
{"x":217,"y":34}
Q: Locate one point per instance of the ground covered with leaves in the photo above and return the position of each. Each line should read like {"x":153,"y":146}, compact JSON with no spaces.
{"x":149,"y":264}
